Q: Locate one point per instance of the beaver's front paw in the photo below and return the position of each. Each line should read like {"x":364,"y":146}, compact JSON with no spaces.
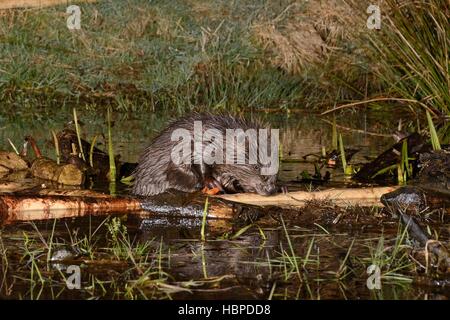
{"x":212,"y":187}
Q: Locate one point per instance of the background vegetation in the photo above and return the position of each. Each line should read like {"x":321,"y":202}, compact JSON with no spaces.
{"x":178,"y":55}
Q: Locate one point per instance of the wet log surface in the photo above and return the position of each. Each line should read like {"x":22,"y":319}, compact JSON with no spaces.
{"x":23,"y":208}
{"x":51,"y":204}
{"x":54,"y":204}
{"x":430,"y":189}
{"x":344,"y":197}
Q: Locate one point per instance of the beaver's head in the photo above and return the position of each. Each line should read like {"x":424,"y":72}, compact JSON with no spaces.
{"x":245,"y":178}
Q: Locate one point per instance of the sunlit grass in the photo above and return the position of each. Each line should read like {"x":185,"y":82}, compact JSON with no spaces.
{"x":138,"y":56}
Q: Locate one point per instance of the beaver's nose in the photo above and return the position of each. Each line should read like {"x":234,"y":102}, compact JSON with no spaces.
{"x":267,"y":190}
{"x":272,"y":190}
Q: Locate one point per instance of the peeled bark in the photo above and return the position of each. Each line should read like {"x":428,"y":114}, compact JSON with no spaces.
{"x":63,"y":204}
{"x":24,"y":208}
{"x":51,"y":204}
{"x":343,"y":197}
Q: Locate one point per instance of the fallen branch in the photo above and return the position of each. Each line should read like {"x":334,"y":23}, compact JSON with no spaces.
{"x":358,"y":130}
{"x":343,"y":197}
{"x":359,"y":103}
{"x":66,"y":204}
{"x":25,"y":208}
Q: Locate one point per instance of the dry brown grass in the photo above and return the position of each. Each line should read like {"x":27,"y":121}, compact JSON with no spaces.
{"x":294,"y":47}
{"x":136,"y":27}
{"x":202,"y":8}
{"x":11,"y":4}
{"x":304,"y":35}
{"x":335,"y":20}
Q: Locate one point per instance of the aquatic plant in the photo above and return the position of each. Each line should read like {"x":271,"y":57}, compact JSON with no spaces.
{"x":77,"y":129}
{"x":434,"y":137}
{"x":112,"y":160}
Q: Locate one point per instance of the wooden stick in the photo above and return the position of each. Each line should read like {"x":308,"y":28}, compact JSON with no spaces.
{"x":342,"y":197}
{"x":359,"y":103}
{"x":358,"y":130}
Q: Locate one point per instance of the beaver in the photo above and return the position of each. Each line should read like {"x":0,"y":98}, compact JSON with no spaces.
{"x":169,"y":164}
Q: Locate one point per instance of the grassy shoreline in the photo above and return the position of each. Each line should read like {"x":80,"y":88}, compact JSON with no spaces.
{"x":140,"y":55}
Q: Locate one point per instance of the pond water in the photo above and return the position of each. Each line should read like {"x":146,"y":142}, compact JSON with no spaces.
{"x":319,"y":252}
{"x":301,"y":133}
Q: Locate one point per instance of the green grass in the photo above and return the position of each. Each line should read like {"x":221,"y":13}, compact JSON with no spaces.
{"x":404,"y":168}
{"x":392,"y":259}
{"x":140,"y":55}
{"x":204,"y":216}
{"x":433,"y":134}
{"x":77,"y":129}
{"x":112,"y":160}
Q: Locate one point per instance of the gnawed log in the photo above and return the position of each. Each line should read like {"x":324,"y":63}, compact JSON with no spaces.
{"x":50,"y":204}
{"x":23,"y":208}
{"x":48,"y":169}
{"x":42,"y":207}
{"x":9,"y":161}
{"x":343,"y":197}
